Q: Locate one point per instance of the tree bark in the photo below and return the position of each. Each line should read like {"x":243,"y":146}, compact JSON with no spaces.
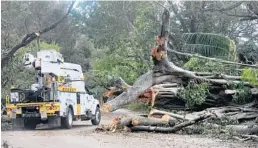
{"x":169,"y":129}
{"x":120,"y":123}
{"x":154,"y":111}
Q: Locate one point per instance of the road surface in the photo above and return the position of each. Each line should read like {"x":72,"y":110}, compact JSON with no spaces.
{"x":82,"y":135}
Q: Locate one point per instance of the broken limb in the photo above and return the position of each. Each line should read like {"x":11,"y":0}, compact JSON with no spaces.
{"x":213,"y":59}
{"x":169,"y":129}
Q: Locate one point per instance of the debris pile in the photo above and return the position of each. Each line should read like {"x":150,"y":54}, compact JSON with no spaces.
{"x":5,"y":123}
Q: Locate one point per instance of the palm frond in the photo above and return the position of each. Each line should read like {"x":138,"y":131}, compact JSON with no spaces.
{"x":208,"y":44}
{"x":206,"y":50}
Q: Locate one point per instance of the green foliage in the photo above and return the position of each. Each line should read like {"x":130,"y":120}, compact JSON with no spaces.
{"x":243,"y":94}
{"x":16,"y":75}
{"x":85,"y":46}
{"x":122,"y":42}
{"x":81,"y":53}
{"x":210,"y":45}
{"x":250,"y":75}
{"x":203,"y":65}
{"x":249,"y":50}
{"x":45,"y":46}
{"x":194,"y":94}
{"x":114,"y":65}
{"x":33,"y":48}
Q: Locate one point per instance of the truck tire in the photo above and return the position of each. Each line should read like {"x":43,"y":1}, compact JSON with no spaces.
{"x":97,"y":117}
{"x":67,"y":122}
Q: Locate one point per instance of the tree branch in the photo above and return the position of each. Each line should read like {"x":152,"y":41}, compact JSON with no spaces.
{"x":213,"y":59}
{"x":30,"y":37}
{"x":179,"y":16}
{"x":161,"y":5}
{"x":225,"y":9}
{"x":245,"y":17}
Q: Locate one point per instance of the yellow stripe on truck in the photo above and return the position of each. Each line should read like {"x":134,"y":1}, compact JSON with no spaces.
{"x":78,"y":109}
{"x":66,"y":89}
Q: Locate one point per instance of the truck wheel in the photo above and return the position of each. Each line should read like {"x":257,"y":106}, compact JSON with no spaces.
{"x":97,"y":117}
{"x":67,"y":122}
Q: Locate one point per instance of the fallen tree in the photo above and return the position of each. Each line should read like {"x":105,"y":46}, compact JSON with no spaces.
{"x":165,"y":71}
{"x":165,"y":87}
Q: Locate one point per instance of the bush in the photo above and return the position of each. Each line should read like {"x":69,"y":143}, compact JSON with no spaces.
{"x":250,"y":75}
{"x":243,"y":94}
{"x":194,"y":94}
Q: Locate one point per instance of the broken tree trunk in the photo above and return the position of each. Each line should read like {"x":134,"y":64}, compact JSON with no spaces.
{"x":121,"y":123}
{"x":132,"y":93}
{"x":169,"y":129}
{"x":147,"y":80}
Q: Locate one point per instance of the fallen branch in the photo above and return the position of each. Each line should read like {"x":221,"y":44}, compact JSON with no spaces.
{"x":165,"y":120}
{"x":244,"y":129}
{"x":155,"y":111}
{"x":169,"y":129}
{"x":254,"y":91}
{"x":212,"y":59}
{"x":121,"y":123}
{"x":253,"y":137}
{"x":222,"y":76}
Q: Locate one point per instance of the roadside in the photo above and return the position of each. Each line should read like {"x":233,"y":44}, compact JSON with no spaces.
{"x":82,"y":135}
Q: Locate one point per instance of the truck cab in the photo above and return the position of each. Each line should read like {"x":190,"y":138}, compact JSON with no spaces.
{"x":57,"y":98}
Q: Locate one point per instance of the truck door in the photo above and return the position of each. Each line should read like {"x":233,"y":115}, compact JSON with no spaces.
{"x":88,"y":102}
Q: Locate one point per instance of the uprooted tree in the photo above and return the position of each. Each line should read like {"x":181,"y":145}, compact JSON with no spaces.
{"x":169,"y":86}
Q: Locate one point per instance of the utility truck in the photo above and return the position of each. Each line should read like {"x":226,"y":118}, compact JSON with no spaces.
{"x":57,"y":98}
